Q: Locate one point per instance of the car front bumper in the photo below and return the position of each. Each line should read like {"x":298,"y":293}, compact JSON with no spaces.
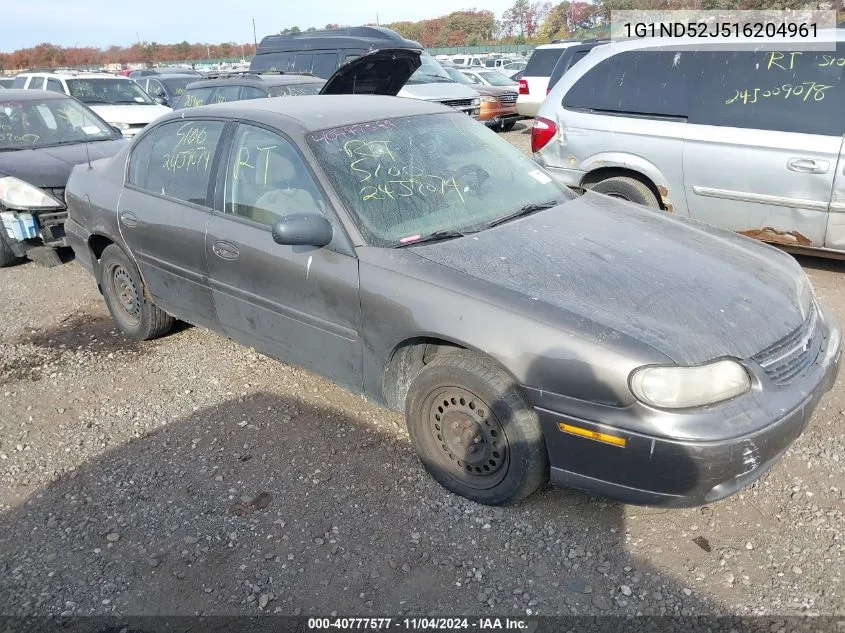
{"x":661,"y":471}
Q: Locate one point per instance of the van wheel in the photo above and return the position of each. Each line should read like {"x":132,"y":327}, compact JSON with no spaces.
{"x":475,"y":431}
{"x":629,"y":189}
{"x":7,"y":255}
{"x":123,"y":291}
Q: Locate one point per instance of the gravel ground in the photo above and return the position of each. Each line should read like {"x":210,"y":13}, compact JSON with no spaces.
{"x":191,"y":475}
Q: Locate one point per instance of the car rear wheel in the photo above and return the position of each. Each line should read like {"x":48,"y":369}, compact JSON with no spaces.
{"x":507,"y":126}
{"x":7,"y":256}
{"x":123,"y":290}
{"x":475,"y":431}
{"x":627,"y":188}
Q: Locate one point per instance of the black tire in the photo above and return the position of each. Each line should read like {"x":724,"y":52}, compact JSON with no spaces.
{"x":7,"y":255}
{"x":475,"y":431}
{"x":123,"y":291}
{"x":629,"y":189}
{"x":507,"y":126}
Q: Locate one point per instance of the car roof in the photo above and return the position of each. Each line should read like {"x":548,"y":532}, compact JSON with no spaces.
{"x":368,"y":36}
{"x":317,"y":112}
{"x":255,"y":80}
{"x":72,"y":75}
{"x":558,"y":45}
{"x":166,"y":76}
{"x":19,"y":94}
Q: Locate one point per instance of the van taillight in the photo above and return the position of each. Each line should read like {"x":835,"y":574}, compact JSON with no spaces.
{"x":523,"y":86}
{"x":542,"y":132}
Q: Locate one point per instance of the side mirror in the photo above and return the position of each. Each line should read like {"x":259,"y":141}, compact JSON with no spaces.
{"x":302,"y":229}
{"x":161,"y":101}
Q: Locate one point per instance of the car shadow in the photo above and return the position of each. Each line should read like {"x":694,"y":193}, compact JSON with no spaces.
{"x":271,"y":504}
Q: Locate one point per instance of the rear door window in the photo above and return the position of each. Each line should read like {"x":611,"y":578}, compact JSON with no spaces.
{"x":647,"y":83}
{"x":324,"y":64}
{"x":180,"y":159}
{"x":302,"y":62}
{"x":196,"y":97}
{"x":273,"y":61}
{"x":37,"y":83}
{"x":799,"y":91}
{"x":542,"y":62}
{"x":19,"y":82}
{"x":251,"y":92}
{"x":224,"y":94}
{"x":54,"y":85}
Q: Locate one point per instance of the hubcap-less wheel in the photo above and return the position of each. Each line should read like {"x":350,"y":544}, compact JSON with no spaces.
{"x":473,"y":445}
{"x":126,"y":294}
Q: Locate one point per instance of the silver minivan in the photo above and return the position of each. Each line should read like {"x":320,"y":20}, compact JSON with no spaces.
{"x":749,"y":140}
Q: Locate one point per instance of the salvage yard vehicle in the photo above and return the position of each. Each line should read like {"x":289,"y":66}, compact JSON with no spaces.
{"x":248,"y":84}
{"x":534,"y":81}
{"x":748,"y":140}
{"x":498,"y":103}
{"x":166,"y":89}
{"x":118,"y":100}
{"x":43,"y":135}
{"x":403,"y":250}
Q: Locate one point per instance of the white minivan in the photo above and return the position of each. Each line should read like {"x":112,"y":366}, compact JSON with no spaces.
{"x":119,"y":100}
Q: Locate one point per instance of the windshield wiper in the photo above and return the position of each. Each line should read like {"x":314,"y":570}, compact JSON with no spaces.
{"x":528,"y":209}
{"x":13,"y":149}
{"x":102,"y":102}
{"x":436,"y":236}
{"x":445,"y":78}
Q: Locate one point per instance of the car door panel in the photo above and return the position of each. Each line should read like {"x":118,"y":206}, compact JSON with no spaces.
{"x":299,"y":304}
{"x":163,"y":214}
{"x":835,"y":235}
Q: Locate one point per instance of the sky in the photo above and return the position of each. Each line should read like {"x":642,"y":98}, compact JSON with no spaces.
{"x":101,"y":23}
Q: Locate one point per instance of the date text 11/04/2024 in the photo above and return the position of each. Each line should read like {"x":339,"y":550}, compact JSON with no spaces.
{"x":420,"y":624}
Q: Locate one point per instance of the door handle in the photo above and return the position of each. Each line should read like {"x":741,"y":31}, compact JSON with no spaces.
{"x":808,"y":165}
{"x":129,"y":219}
{"x":225,"y":250}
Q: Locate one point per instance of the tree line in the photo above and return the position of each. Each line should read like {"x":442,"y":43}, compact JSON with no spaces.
{"x":526,"y":21}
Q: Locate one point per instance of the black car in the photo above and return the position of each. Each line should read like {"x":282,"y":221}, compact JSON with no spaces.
{"x":157,"y":72}
{"x":168,"y":88}
{"x":6,"y":82}
{"x":43,"y":135}
{"x":569,"y":57}
{"x":240,"y":86}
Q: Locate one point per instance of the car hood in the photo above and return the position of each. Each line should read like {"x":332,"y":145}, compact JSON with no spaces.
{"x":380,"y":72}
{"x":690,"y":291}
{"x":439,"y":91}
{"x":131,"y":114}
{"x":493,"y":91}
{"x":51,"y":166}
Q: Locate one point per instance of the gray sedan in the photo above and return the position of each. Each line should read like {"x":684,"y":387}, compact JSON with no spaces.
{"x":405,"y":251}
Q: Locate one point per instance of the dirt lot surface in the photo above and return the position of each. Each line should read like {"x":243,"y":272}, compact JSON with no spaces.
{"x":192,"y":475}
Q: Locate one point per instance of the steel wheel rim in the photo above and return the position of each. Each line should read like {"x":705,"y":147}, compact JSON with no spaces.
{"x":126,"y":294}
{"x":470,"y":442}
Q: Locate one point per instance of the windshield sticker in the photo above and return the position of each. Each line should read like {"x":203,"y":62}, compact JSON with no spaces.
{"x":410,"y":238}
{"x":540,"y":177}
{"x":140,"y":99}
{"x":91,"y":129}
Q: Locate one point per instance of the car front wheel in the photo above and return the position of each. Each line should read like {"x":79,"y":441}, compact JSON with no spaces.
{"x":475,"y":431}
{"x":133,"y":314}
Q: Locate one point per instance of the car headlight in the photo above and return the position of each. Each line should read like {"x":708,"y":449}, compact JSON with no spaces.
{"x":673,"y":387}
{"x":121,"y":126}
{"x":488,"y":99}
{"x":17,"y":194}
{"x":476,"y":102}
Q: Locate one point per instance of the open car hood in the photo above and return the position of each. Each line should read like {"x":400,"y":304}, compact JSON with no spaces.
{"x":380,"y":72}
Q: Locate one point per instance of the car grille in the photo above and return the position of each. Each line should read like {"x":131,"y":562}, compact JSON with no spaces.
{"x":458,"y":103}
{"x":792,"y":355}
{"x":508,"y":98}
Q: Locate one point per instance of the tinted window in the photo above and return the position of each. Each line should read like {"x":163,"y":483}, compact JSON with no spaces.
{"x":542,"y":62}
{"x":224,"y":94}
{"x":656,"y":83}
{"x":267,"y":179}
{"x":324,"y":64}
{"x":272,"y":61}
{"x":139,"y":160}
{"x":566,"y":61}
{"x":196,"y":97}
{"x":302,"y":62}
{"x":784,"y":91}
{"x":180,"y":159}
{"x":55,"y":85}
{"x":37,"y":83}
{"x":251,"y":92}
{"x":19,"y":82}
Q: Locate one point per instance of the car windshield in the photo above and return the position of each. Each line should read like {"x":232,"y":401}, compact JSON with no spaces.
{"x":177,"y":85}
{"x":410,"y":177}
{"x":430,"y":71}
{"x":296,"y":90}
{"x":107,"y":90}
{"x":458,"y":76}
{"x":48,"y":122}
{"x":496,"y":79}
